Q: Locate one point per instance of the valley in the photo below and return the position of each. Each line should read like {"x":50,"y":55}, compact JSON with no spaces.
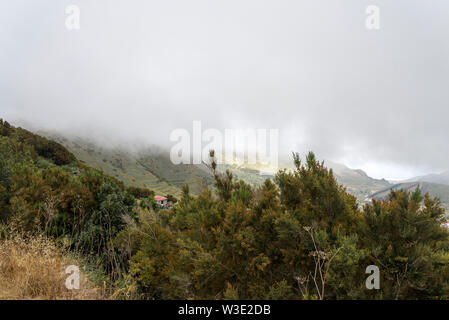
{"x":151,"y":168}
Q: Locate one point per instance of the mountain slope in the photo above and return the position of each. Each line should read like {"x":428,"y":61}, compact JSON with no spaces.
{"x":45,"y":190}
{"x":148,"y":168}
{"x":441,"y":178}
{"x":440,"y":191}
{"x":122,"y":165}
{"x":357,"y":181}
{"x":152,"y":168}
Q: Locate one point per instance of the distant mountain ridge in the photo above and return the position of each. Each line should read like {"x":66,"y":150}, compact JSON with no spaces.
{"x":441,"y":178}
{"x":152,"y":168}
{"x":438,"y":190}
{"x":357,"y":181}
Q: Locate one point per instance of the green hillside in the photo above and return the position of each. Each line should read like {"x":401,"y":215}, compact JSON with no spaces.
{"x":45,"y":190}
{"x":440,"y":191}
{"x":152,"y":168}
{"x":249,"y":175}
{"x":441,"y":178}
{"x":159,"y":164}
{"x":357,"y":181}
{"x":124,"y":166}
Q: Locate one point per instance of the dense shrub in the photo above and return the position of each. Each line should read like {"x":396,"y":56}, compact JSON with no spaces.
{"x":140,"y":193}
{"x":42,"y":146}
{"x":301,"y":238}
{"x":43,"y":190}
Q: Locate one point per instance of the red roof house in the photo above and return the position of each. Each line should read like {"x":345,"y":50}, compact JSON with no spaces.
{"x":162,"y":201}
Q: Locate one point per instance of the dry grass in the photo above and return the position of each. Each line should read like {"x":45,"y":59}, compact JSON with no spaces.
{"x":35,"y":269}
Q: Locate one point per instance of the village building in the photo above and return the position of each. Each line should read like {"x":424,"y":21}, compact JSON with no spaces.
{"x":161,"y":201}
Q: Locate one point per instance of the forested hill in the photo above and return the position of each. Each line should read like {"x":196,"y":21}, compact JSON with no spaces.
{"x":44,"y":189}
{"x":154,"y":172}
{"x":151,"y":168}
{"x":441,"y":191}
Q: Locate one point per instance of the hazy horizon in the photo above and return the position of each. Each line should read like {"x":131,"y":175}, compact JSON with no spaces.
{"x":375,"y":100}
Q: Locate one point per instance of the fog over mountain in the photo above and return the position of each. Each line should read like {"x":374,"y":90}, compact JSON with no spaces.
{"x":137,"y":70}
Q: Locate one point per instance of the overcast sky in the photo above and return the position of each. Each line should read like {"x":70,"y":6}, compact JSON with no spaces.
{"x":136,"y":70}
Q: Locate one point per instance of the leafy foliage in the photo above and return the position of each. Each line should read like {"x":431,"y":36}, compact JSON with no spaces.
{"x":44,"y":190}
{"x":301,"y":238}
{"x":139,"y":193}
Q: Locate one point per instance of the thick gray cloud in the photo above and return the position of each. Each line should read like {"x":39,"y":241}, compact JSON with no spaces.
{"x":136,"y":70}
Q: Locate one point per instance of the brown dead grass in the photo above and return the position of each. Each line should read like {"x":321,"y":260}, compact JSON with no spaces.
{"x":35,"y":269}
